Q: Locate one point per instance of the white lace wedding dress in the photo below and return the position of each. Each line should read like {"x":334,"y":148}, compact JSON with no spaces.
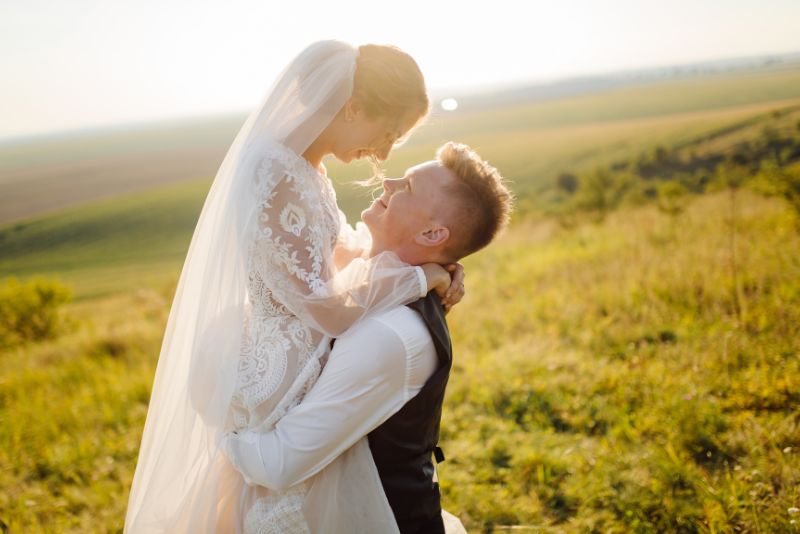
{"x":297,"y":302}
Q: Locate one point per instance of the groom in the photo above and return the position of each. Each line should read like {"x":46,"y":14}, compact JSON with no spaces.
{"x":385,"y":377}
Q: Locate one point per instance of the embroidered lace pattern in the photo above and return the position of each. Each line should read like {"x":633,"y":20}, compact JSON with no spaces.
{"x":278,"y":514}
{"x":280,"y":355}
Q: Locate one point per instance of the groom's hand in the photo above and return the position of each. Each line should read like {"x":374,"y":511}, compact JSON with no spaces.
{"x":244,"y":453}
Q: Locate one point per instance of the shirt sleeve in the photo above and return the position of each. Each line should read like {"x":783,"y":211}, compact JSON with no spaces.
{"x":293,"y":255}
{"x":369,"y":376}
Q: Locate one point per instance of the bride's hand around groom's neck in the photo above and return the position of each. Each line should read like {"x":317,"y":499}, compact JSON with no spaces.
{"x":447,"y":281}
{"x":456,"y":291}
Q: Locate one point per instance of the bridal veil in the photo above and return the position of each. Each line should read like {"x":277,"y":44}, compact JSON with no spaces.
{"x":181,"y":484}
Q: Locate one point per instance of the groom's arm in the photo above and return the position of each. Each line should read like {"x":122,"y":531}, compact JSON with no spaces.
{"x":372,"y":371}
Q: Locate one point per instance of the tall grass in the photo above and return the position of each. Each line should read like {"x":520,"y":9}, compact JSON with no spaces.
{"x":606,"y":382}
{"x":71,"y":417}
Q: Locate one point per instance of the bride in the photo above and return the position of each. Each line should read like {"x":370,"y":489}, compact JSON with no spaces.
{"x":273,"y":273}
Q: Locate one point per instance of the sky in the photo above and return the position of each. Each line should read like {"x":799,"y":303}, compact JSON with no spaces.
{"x":77,"y":64}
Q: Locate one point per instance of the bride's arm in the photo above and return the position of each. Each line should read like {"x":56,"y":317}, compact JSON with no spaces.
{"x":294,"y":257}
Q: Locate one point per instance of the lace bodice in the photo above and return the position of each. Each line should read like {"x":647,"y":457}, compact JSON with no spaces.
{"x":276,"y":345}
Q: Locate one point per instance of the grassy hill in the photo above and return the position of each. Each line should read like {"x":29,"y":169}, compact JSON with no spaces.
{"x":110,"y":246}
{"x":38,"y":176}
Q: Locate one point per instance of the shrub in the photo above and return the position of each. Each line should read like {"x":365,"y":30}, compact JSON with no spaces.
{"x":601,"y":191}
{"x":567,"y":182}
{"x":30,"y":311}
{"x":790,"y":189}
{"x":672,"y":198}
{"x":781,"y":181}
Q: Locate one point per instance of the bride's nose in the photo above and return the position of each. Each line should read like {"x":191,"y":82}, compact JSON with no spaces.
{"x":383,"y":152}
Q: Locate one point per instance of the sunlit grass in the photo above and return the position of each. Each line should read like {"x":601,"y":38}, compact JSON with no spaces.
{"x":602,"y":381}
{"x":71,"y":416}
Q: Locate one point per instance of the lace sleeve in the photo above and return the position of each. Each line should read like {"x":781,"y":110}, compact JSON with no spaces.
{"x":293,"y":253}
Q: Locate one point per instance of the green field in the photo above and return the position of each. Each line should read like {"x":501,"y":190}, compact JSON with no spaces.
{"x":637,"y":374}
{"x":530,"y":142}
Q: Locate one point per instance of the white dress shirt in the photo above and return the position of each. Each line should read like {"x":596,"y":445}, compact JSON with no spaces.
{"x":373,"y":370}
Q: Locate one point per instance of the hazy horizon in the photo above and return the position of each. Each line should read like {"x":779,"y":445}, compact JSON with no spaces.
{"x":436,"y":92}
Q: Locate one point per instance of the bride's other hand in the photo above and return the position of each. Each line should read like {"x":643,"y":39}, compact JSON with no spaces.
{"x":455,"y":292}
{"x":242,"y":451}
{"x":447,"y":281}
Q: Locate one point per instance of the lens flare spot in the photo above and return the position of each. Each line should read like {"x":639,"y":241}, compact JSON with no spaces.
{"x":449,"y":104}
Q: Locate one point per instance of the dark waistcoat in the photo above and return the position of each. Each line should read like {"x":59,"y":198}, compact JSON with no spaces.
{"x":403,"y":445}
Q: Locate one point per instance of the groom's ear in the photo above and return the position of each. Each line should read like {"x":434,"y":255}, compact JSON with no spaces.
{"x":433,"y":237}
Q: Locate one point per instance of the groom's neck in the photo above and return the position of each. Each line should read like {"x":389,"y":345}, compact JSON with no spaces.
{"x":375,"y":250}
{"x":408,"y":256}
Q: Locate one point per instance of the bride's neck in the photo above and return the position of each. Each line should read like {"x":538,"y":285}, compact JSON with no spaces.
{"x":316,"y":151}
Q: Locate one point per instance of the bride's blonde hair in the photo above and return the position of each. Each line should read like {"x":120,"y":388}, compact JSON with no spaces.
{"x":389,"y":84}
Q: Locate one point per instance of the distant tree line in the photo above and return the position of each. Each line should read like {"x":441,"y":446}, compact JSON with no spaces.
{"x":770,"y":162}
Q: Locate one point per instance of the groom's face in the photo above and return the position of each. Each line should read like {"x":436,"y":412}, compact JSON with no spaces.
{"x":408,"y":207}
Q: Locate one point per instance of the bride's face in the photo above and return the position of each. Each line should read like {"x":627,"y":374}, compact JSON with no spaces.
{"x":357,"y":135}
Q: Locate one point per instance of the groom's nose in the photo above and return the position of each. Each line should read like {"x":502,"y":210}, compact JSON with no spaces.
{"x":389,"y":185}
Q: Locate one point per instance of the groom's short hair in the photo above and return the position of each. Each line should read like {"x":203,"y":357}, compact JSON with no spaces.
{"x":482,"y":200}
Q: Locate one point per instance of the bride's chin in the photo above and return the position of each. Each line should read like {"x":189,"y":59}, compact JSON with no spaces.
{"x":353,"y":155}
{"x":346,"y":157}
